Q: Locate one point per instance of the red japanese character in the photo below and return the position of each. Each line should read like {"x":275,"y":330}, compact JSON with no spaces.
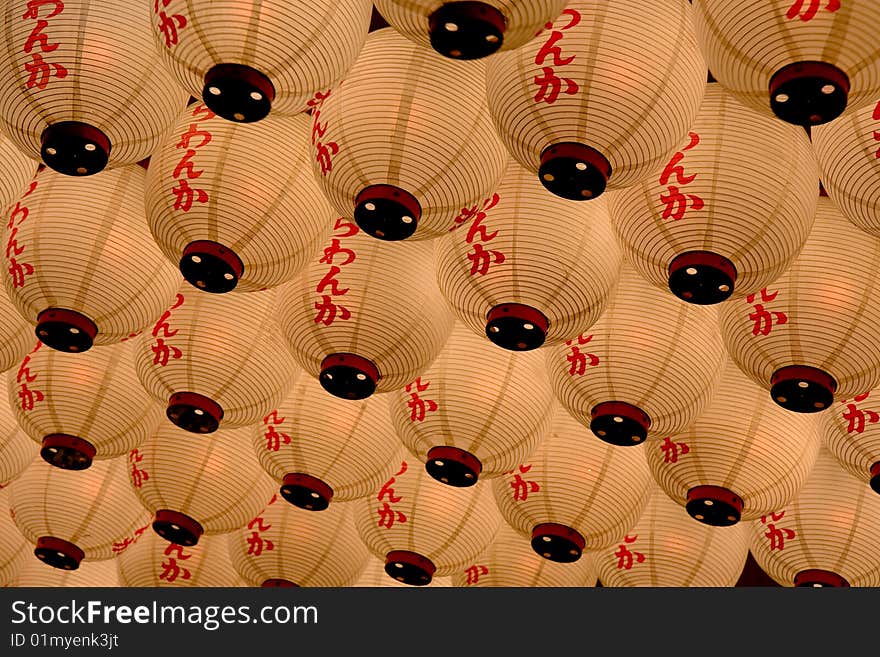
{"x":185,"y":196}
{"x":625,"y":557}
{"x":335,"y":249}
{"x":778,"y":536}
{"x":41,"y":71}
{"x":808,"y":13}
{"x":672,"y":450}
{"x":482,"y":258}
{"x":257,"y":544}
{"x":187,"y":165}
{"x":12,"y":247}
{"x":191,"y":133}
{"x":388,"y":516}
{"x":37,"y":36}
{"x":550,"y":86}
{"x":274,"y":439}
{"x":169,"y":26}
{"x":18,"y":210}
{"x":856,"y":416}
{"x":329,"y":279}
{"x":29,"y":397}
{"x":579,"y":359}
{"x":324,"y":155}
{"x":475,"y":572}
{"x":673,"y":168}
{"x":418,"y":407}
{"x":163,"y":351}
{"x":347,"y":227}
{"x":138,"y":476}
{"x":328,"y":311}
{"x":765,"y":319}
{"x":521,"y":487}
{"x":33,"y":8}
{"x":171,"y":570}
{"x":677,"y":203}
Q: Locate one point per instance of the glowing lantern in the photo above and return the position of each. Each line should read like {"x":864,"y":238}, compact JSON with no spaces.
{"x":238,"y":226}
{"x":195,"y":486}
{"x":603,"y":97}
{"x":247,"y":59}
{"x":529,"y":268}
{"x":574,"y":493}
{"x":154,"y":562}
{"x":405,"y":142}
{"x":72,"y":516}
{"x":366,"y":316}
{"x":476,"y":412}
{"x":84,"y":267}
{"x":805,"y":62}
{"x":94,"y":574}
{"x":82,"y":85}
{"x":217,"y":362}
{"x":851,"y":433}
{"x":469,"y":30}
{"x":706,"y":226}
{"x":90,"y":406}
{"x":826,"y":536}
{"x":374,"y":576}
{"x":421,"y":528}
{"x":811,"y":337}
{"x":16,"y":450}
{"x":13,"y":546}
{"x":645,"y":369}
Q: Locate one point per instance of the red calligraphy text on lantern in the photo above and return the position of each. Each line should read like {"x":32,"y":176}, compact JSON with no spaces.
{"x":626,"y":558}
{"x":549,"y":83}
{"x":764,"y":320}
{"x":162,"y":351}
{"x":256,"y":543}
{"x":418,"y":407}
{"x":777,"y":535}
{"x":675,"y":200}
{"x":194,"y":138}
{"x":138,"y":476}
{"x":274,"y":438}
{"x":28,"y":396}
{"x":121,"y":546}
{"x":522,"y":487}
{"x":876,"y":117}
{"x":171,"y":570}
{"x":324,"y":151}
{"x":672,"y":450}
{"x":475,"y":572}
{"x":40,"y":72}
{"x":578,"y":359}
{"x":481,"y":258}
{"x":18,"y":269}
{"x":168,"y":26}
{"x":327,"y":309}
{"x":387,"y":514}
{"x":856,"y":417}
{"x":806,"y":10}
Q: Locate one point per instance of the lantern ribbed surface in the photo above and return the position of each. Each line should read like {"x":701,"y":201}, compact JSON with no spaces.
{"x":741,"y":186}
{"x":90,"y":512}
{"x":88,"y":70}
{"x":406,"y":142}
{"x":820,"y":314}
{"x":528,"y":247}
{"x":227,"y":223}
{"x":624,"y":79}
{"x":82,"y":246}
{"x":747,"y":43}
{"x":422,"y":528}
{"x":667,"y":548}
{"x":343,"y":444}
{"x":16,"y":334}
{"x":832,"y":526}
{"x":226,"y":351}
{"x":17,"y":451}
{"x":511,"y":562}
{"x":93,"y":397}
{"x":299,"y":547}
{"x":851,"y":434}
{"x":91,"y":574}
{"x":18,"y":170}
{"x":374,"y":576}
{"x":297,"y":48}
{"x":492,"y":404}
{"x":15,"y":551}
{"x":376,"y":300}
{"x":848,"y":152}
{"x":589,"y":491}
{"x":742,"y":443}
{"x":648,"y":350}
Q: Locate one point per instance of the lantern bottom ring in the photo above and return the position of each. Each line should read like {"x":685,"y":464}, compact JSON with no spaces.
{"x":306,"y":492}
{"x":238,"y":93}
{"x":516,"y":327}
{"x":558,"y":542}
{"x":210,"y":266}
{"x":194,"y":412}
{"x":58,"y":553}
{"x":348,"y":376}
{"x":817,"y":578}
{"x":67,"y":452}
{"x":176,"y":527}
{"x":65,"y":330}
{"x":619,"y":423}
{"x":409,"y":567}
{"x":802,"y":388}
{"x":387,"y":212}
{"x":73,"y":148}
{"x":453,"y":466}
{"x":466,"y":30}
{"x":702,"y":277}
{"x":809,"y":93}
{"x":714,"y":506}
{"x":574,"y":171}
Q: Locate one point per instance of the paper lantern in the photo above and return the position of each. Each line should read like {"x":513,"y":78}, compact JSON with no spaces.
{"x":528,"y":268}
{"x":216,"y":361}
{"x":83,"y":266}
{"x":810,"y":338}
{"x":421,"y":528}
{"x":237,"y":226}
{"x":154,"y":562}
{"x":374,"y":576}
{"x":16,"y":334}
{"x":476,"y":412}
{"x":285,"y":546}
{"x":848,"y":150}
{"x":730,"y":210}
{"x":602,"y":97}
{"x":18,"y":171}
{"x":71,"y":516}
{"x":645,"y":369}
{"x":469,"y":30}
{"x":366,"y":316}
{"x":667,"y":548}
{"x":92,"y":574}
{"x":406,"y":142}
{"x":805,"y":62}
{"x":247,"y":59}
{"x":851,"y":434}
{"x":17,"y":451}
{"x":82,"y":86}
{"x":81,"y":407}
{"x":826,"y":536}
{"x":14,"y":552}
{"x":198,"y":486}
{"x":574,"y":493}
{"x":321,"y":448}
{"x":742,"y":458}
{"x":510,"y":562}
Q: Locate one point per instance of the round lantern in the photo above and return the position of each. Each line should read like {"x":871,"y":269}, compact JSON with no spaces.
{"x":405,"y":144}
{"x":365,"y":316}
{"x":811,"y":336}
{"x":247,"y":59}
{"x":285,"y":546}
{"x":197,"y":487}
{"x":16,"y":334}
{"x":374,"y":576}
{"x":421,"y":528}
{"x":17,"y":451}
{"x":645,"y":369}
{"x":92,"y":574}
{"x":666,"y":548}
{"x":743,"y":457}
{"x":13,"y":546}
{"x":602,"y":97}
{"x":851,"y":433}
{"x":321,"y":448}
{"x":216,"y":361}
{"x":510,"y":562}
{"x":469,"y":30}
{"x":71,"y":516}
{"x":805,"y":62}
{"x":476,"y":412}
{"x":82,"y":264}
{"x":82,"y":86}
{"x":529,"y":269}
{"x":826,"y":536}
{"x":82,"y":407}
{"x":237,"y":226}
{"x":18,"y":171}
{"x":707,"y":225}
{"x":154,"y":562}
{"x":848,"y":150}
{"x":574,"y":493}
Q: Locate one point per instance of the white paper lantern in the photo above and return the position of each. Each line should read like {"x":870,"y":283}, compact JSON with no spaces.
{"x":17,"y":451}
{"x":851,"y":433}
{"x":92,"y":574}
{"x":14,"y":549}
